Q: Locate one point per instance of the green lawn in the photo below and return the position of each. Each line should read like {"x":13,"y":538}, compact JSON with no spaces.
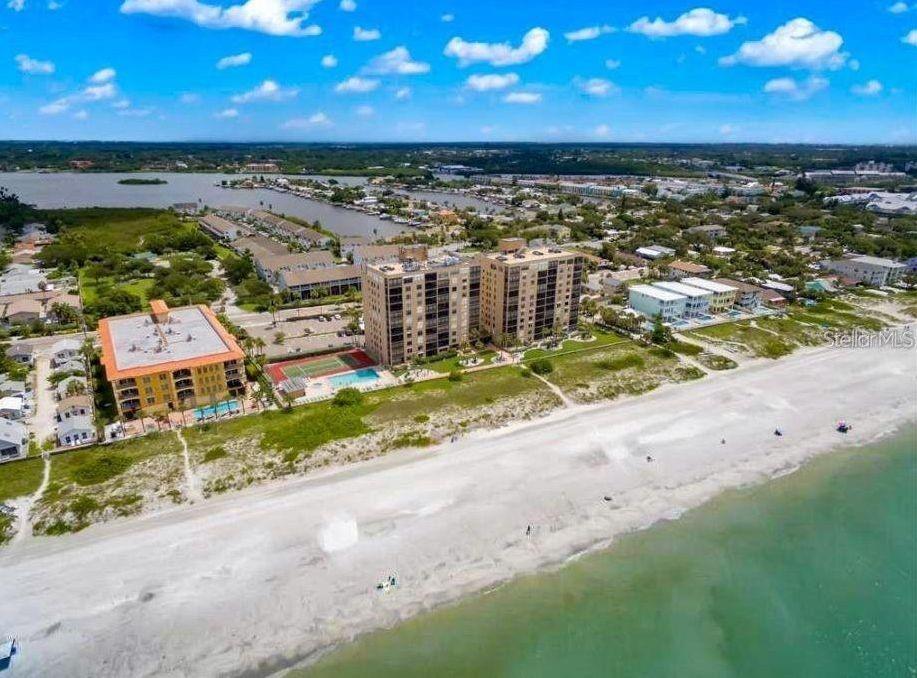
{"x":602,"y":338}
{"x":757,"y":341}
{"x":20,"y":478}
{"x":450,"y":364}
{"x":89,"y":287}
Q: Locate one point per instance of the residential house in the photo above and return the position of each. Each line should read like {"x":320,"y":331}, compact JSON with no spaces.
{"x":12,"y":407}
{"x":697,"y":300}
{"x":724,"y":296}
{"x":712,"y":231}
{"x":64,"y":388}
{"x":11,"y":387}
{"x":14,"y":440}
{"x":748,"y":296}
{"x":74,"y":406}
{"x":653,"y":302}
{"x":76,"y":430}
{"x":22,"y":312}
{"x":681,"y":269}
{"x":73,"y":365}
{"x":20,"y":353}
{"x":64,"y":350}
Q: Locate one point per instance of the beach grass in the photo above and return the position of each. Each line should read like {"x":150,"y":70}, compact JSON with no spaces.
{"x":20,"y":478}
{"x":600,"y":339}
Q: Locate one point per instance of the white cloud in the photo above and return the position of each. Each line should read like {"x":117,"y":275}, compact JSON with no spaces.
{"x":366,"y":34}
{"x":870,"y":88}
{"x":365,"y":111}
{"x":447,"y":18}
{"x":101,"y":87}
{"x":356,"y":85}
{"x":898,"y":8}
{"x":602,"y":131}
{"x":522,"y":98}
{"x":487,"y":129}
{"x":121,"y":104}
{"x":32,"y":66}
{"x":347,"y":6}
{"x":498,"y":54}
{"x":798,"y":43}
{"x":235,"y":60}
{"x":396,"y":62}
{"x":190,"y":98}
{"x":588,"y":33}
{"x":910,"y":38}
{"x":728,"y":130}
{"x":853,"y":64}
{"x":315,"y":120}
{"x":796,"y":90}
{"x":274,"y":17}
{"x":54,"y":5}
{"x":227,"y":113}
{"x":597,"y":87}
{"x":612,"y":64}
{"x":16,"y":5}
{"x":81,"y":115}
{"x":491,"y":81}
{"x":329,"y":61}
{"x":403,"y":93}
{"x":700,"y":21}
{"x":700,"y":49}
{"x":135,"y":112}
{"x":102,"y":76}
{"x":268,"y":90}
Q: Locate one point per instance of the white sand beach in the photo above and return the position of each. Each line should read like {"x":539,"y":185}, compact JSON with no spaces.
{"x":262,"y":579}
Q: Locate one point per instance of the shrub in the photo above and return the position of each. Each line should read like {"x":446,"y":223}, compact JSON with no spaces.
{"x":101,"y":468}
{"x":542,"y":366}
{"x":621,"y":363}
{"x":455,"y":375}
{"x":422,"y":418}
{"x":348,"y":397}
{"x":215,"y":453}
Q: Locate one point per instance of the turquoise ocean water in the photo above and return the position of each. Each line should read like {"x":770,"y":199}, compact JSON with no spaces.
{"x":813,"y":574}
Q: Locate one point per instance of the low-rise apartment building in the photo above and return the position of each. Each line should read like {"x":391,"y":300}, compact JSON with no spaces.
{"x":223,"y":229}
{"x":529,"y":294}
{"x":724,"y":296}
{"x":873,"y":271}
{"x":308,"y":283}
{"x":748,"y":296}
{"x":418,"y":308}
{"x":170,"y":359}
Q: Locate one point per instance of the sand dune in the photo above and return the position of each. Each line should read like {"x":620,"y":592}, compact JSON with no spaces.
{"x":268,"y":577}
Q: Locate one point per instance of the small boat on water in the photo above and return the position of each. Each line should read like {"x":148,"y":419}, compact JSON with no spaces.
{"x":8,"y":649}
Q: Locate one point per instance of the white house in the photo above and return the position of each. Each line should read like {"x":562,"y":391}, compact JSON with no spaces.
{"x":654,"y":301}
{"x":655,"y":252}
{"x":14,"y":440}
{"x":697,"y":300}
{"x":64,"y":385}
{"x":77,"y":430}
{"x":724,"y":296}
{"x":64,"y":350}
{"x":12,"y":407}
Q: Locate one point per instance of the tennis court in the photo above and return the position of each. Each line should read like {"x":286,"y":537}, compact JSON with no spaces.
{"x":319,"y":366}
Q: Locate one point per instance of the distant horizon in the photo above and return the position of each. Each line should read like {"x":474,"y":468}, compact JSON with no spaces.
{"x":459,"y":142}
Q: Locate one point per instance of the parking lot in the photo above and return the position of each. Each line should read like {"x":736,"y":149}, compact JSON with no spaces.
{"x":305,"y":330}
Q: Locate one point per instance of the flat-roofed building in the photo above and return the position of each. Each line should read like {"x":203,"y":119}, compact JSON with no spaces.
{"x":873,"y":271}
{"x":170,"y":359}
{"x":724,"y":296}
{"x":414,"y":309}
{"x":747,"y":296}
{"x":656,"y":302}
{"x":308,"y":283}
{"x":682,"y":269}
{"x":697,"y":300}
{"x":528,"y":294}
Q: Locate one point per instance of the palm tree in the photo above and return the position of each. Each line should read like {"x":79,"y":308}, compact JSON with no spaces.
{"x":260,"y":345}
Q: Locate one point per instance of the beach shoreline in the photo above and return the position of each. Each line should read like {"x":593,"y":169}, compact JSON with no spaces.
{"x":279,"y":575}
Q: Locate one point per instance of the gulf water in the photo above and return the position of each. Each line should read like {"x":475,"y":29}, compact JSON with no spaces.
{"x":812,"y":574}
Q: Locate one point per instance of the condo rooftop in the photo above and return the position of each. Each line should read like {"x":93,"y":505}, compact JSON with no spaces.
{"x":656,"y":292}
{"x":683,"y":290}
{"x":527,"y":255}
{"x":163,"y":339}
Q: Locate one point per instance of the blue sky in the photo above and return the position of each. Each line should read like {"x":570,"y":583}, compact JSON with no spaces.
{"x":840,"y":71}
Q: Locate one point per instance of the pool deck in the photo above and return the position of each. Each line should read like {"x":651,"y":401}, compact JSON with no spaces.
{"x":321,"y":388}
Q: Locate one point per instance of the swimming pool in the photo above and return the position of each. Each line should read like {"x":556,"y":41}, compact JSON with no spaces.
{"x":218,"y":410}
{"x":365,"y":376}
